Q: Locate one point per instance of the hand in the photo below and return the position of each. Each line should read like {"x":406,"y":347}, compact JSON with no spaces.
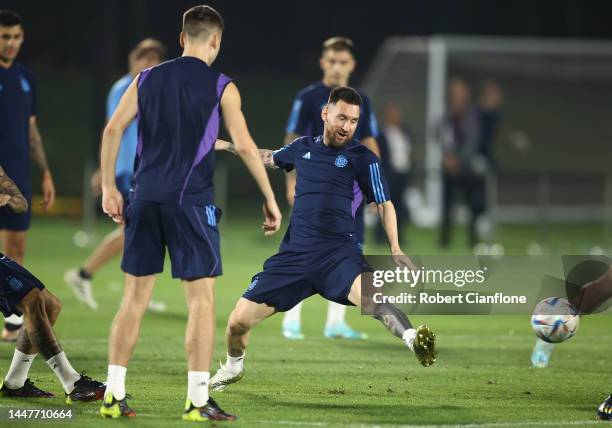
{"x":112,"y":204}
{"x":96,"y":182}
{"x":272,"y":217}
{"x":225,"y":145}
{"x":402,"y":260}
{"x":48,"y":189}
{"x":4,"y":199}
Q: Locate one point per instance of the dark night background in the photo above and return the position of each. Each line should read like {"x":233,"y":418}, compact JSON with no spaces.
{"x":77,"y":49}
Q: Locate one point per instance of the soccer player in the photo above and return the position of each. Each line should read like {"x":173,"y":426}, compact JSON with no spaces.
{"x":337,"y":63}
{"x":20,"y":140}
{"x":178,"y":104}
{"x":22,"y":293}
{"x":146,"y":54}
{"x":320,"y":253}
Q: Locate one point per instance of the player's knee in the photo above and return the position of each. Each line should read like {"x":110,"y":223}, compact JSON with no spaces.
{"x":238,"y":324}
{"x":34,"y":305}
{"x":53,"y":307}
{"x":136,"y":299}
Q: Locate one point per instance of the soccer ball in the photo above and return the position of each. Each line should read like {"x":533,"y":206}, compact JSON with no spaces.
{"x":554,"y":320}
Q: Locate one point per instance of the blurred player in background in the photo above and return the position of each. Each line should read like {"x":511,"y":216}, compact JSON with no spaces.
{"x":179,"y":104}
{"x":337,"y":63}
{"x":320,"y":253}
{"x":20,"y":141}
{"x":23,"y":293}
{"x":490,"y":104}
{"x":463,"y":166}
{"x":146,"y":54}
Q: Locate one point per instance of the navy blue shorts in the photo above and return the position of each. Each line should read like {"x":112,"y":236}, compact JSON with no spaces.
{"x":17,"y":222}
{"x":290,"y":277}
{"x":15,"y":283}
{"x":189,"y":231}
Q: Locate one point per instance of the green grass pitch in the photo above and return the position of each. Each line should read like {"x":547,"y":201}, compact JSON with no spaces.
{"x":482,"y":377}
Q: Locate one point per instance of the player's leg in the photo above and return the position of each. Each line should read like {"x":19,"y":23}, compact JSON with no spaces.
{"x":421,"y":340}
{"x":14,"y":247}
{"x":79,"y":279}
{"x":245,"y":316}
{"x":41,"y":310}
{"x":292,"y":323}
{"x":122,"y":341}
{"x":199,"y":346}
{"x":282,"y":285}
{"x":336,"y":326}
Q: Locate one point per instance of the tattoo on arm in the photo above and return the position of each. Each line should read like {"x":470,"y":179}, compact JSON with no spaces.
{"x":17,"y":203}
{"x":37,"y":151}
{"x":267,"y":158}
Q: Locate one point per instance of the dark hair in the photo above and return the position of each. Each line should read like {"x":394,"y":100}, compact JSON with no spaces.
{"x":8,"y":18}
{"x":346,"y":94}
{"x":338,"y":44}
{"x":146,"y":46}
{"x":200,"y":22}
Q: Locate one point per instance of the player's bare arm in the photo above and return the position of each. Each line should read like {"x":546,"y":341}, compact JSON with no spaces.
{"x":37,"y":152}
{"x":388,"y":218}
{"x":10,"y":195}
{"x":372,"y":144}
{"x":235,"y":123}
{"x":112,"y":201}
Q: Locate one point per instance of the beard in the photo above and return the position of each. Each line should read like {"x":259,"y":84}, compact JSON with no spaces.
{"x":337,"y":138}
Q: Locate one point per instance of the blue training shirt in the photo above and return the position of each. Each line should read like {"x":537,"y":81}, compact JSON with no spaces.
{"x":178,"y":124}
{"x":17,"y":105}
{"x":325,"y":197}
{"x":305,"y":116}
{"x":129,"y":141}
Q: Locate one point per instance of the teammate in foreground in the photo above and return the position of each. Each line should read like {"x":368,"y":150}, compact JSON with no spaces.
{"x":146,"y":54}
{"x":337,"y":63}
{"x":22,"y":293}
{"x":20,"y":141}
{"x":178,"y":105}
{"x":319,"y":253}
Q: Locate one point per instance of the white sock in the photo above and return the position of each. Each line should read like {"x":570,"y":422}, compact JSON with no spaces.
{"x":14,"y":319}
{"x":18,"y":372}
{"x":115,"y":381}
{"x":235,"y":364}
{"x":335,"y":314}
{"x":197,"y":387}
{"x":408,"y":337}
{"x":293,"y":315}
{"x":63,"y":370}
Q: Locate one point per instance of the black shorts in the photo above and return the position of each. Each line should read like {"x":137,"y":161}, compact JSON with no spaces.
{"x":15,"y":283}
